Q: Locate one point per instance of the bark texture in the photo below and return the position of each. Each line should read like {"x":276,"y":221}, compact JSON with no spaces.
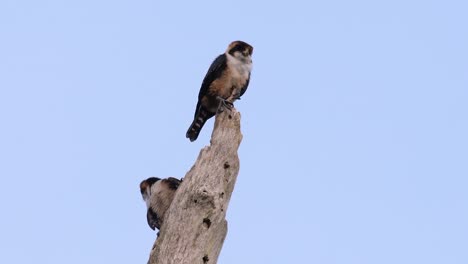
{"x":195,"y":226}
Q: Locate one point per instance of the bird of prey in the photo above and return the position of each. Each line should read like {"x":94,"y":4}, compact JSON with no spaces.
{"x":158,"y":195}
{"x":226,"y":80}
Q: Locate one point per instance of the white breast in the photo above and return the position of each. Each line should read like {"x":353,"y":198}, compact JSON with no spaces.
{"x":240,"y":69}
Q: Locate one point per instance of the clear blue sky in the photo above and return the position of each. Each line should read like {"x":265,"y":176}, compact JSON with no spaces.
{"x":355,"y":127}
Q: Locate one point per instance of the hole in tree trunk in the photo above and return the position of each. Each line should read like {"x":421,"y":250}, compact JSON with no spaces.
{"x":205,"y":259}
{"x":207,"y":222}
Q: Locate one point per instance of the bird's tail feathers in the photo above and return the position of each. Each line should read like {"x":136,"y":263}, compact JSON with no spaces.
{"x":197,"y":124}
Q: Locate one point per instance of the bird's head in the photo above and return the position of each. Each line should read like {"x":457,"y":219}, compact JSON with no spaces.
{"x":240,"y":50}
{"x":145,"y":187}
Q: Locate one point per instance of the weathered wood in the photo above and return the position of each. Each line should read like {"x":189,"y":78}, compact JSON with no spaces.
{"x":195,"y":226}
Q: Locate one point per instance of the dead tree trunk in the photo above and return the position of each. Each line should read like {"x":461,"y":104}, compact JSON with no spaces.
{"x":195,"y":226}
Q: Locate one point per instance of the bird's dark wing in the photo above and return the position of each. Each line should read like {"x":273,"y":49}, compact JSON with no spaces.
{"x":173,"y":183}
{"x":153,"y":219}
{"x":214,"y":72}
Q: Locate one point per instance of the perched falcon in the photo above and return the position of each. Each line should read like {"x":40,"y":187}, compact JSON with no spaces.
{"x":226,"y":80}
{"x":158,"y":195}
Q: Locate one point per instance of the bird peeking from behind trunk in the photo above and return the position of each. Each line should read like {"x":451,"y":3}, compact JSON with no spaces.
{"x":226,"y":81}
{"x":158,"y":195}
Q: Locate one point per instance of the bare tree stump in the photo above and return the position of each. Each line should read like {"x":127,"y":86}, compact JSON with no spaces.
{"x":195,"y":226}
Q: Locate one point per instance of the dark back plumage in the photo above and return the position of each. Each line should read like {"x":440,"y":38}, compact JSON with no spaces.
{"x":201,"y":113}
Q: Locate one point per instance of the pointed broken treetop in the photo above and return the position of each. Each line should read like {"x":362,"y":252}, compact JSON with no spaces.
{"x":195,"y":226}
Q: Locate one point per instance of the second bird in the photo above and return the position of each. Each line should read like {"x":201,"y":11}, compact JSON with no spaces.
{"x":158,"y":195}
{"x":226,"y":81}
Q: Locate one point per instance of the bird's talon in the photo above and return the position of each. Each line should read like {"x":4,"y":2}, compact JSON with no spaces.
{"x":223,"y":103}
